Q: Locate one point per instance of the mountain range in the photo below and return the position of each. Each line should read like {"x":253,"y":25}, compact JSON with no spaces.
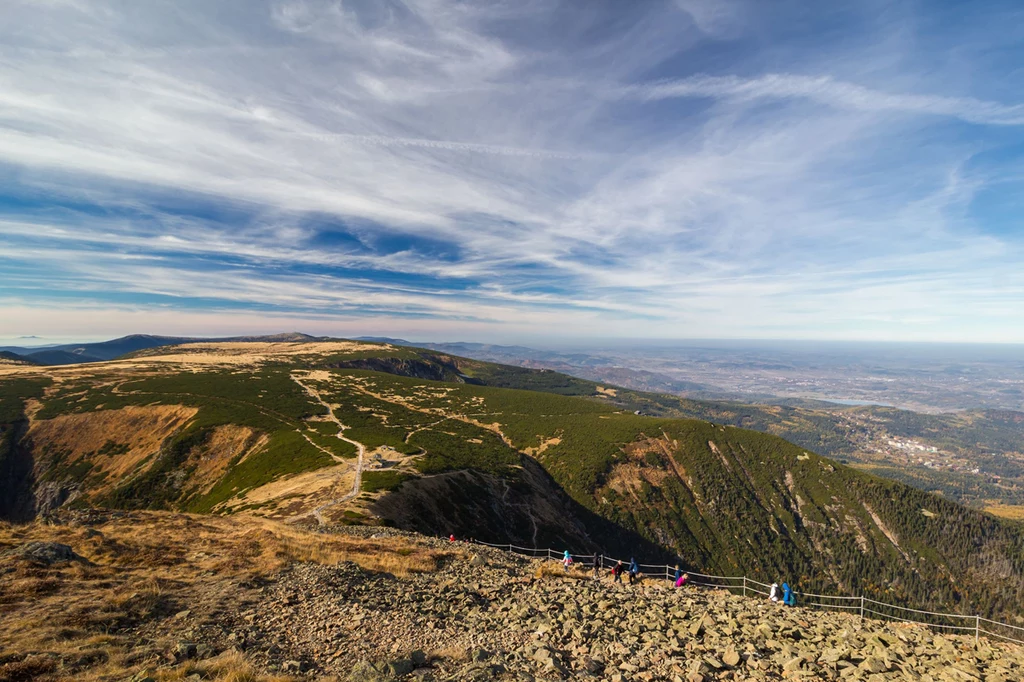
{"x":71,"y":353}
{"x":329,"y":432}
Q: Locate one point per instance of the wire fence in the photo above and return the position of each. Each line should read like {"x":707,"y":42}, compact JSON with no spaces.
{"x":954,"y":623}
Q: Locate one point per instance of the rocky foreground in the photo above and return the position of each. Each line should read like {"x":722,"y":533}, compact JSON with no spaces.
{"x":480,"y":614}
{"x":495,"y":616}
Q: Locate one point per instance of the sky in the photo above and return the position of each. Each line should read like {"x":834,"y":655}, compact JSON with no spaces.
{"x":513,"y":171}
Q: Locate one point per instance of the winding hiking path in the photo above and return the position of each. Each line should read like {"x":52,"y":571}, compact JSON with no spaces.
{"x":360,"y":454}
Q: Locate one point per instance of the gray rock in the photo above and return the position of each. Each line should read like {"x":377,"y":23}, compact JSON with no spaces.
{"x":400,"y":667}
{"x":185,"y":650}
{"x":363,"y":671}
{"x":873,"y":664}
{"x":47,"y":553}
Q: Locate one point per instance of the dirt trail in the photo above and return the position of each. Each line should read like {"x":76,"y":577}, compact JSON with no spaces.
{"x":437,"y":412}
{"x":360,"y":454}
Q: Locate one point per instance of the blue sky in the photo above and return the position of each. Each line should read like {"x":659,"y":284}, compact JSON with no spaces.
{"x":513,"y":171}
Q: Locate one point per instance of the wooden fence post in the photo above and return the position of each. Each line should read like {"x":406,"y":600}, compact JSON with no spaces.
{"x":862,"y":606}
{"x":977,"y":629}
{"x":744,"y":586}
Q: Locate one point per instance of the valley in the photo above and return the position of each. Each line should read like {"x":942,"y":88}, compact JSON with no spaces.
{"x":969,"y":424}
{"x":336,"y":433}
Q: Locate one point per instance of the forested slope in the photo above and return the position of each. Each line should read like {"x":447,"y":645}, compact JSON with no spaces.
{"x":474,"y":451}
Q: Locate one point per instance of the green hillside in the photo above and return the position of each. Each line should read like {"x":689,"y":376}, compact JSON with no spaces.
{"x":507,"y":454}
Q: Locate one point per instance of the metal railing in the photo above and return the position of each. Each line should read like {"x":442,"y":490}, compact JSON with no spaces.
{"x":863,"y":606}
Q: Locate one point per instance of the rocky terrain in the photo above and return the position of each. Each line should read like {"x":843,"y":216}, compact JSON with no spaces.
{"x":493,"y":618}
{"x":456,"y":611}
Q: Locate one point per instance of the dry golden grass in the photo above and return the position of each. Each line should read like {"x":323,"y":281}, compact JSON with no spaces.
{"x":556,"y":570}
{"x":145,"y":568}
{"x":230,"y":666}
{"x":270,"y":545}
{"x":138,"y":430}
{"x":1014,"y":512}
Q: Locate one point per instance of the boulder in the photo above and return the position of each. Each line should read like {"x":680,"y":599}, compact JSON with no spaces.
{"x":874,"y":664}
{"x":47,"y":553}
{"x":399,"y":667}
{"x":363,"y":671}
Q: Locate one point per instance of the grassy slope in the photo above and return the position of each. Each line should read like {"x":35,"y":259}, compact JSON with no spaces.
{"x":991,"y":439}
{"x":753,"y":503}
{"x":758,"y":505}
{"x":266,"y":401}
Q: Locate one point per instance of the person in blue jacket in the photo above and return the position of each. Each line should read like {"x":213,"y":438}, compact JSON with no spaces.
{"x":634,"y":570}
{"x":787,"y":595}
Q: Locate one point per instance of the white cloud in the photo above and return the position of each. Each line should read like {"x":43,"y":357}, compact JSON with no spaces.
{"x":834,"y":93}
{"x":580,"y":176}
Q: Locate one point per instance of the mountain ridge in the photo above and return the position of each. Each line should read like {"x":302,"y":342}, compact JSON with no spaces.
{"x":101,"y":351}
{"x":254,"y":438}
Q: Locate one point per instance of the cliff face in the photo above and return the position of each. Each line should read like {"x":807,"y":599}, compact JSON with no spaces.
{"x":17,"y":481}
{"x":429,"y":366}
{"x":528,"y":510}
{"x":17,"y":464}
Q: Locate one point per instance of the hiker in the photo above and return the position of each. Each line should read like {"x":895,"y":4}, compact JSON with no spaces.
{"x":679,"y":573}
{"x":451,"y":538}
{"x":787,"y":594}
{"x":567,"y":560}
{"x":598,"y":565}
{"x":634,"y":570}
{"x":791,"y":600}
{"x":774,"y":594}
{"x":682,"y":580}
{"x":617,"y":571}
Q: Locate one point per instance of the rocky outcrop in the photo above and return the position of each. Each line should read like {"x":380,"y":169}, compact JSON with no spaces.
{"x":529,"y":510}
{"x":47,"y":553}
{"x":17,"y":499}
{"x":432,"y":367}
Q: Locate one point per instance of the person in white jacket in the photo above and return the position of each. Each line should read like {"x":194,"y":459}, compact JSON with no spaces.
{"x":774,"y":594}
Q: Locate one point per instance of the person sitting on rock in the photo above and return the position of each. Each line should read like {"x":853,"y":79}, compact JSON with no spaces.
{"x":617,"y":570}
{"x":682,"y":580}
{"x":567,"y":560}
{"x":774,"y":594}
